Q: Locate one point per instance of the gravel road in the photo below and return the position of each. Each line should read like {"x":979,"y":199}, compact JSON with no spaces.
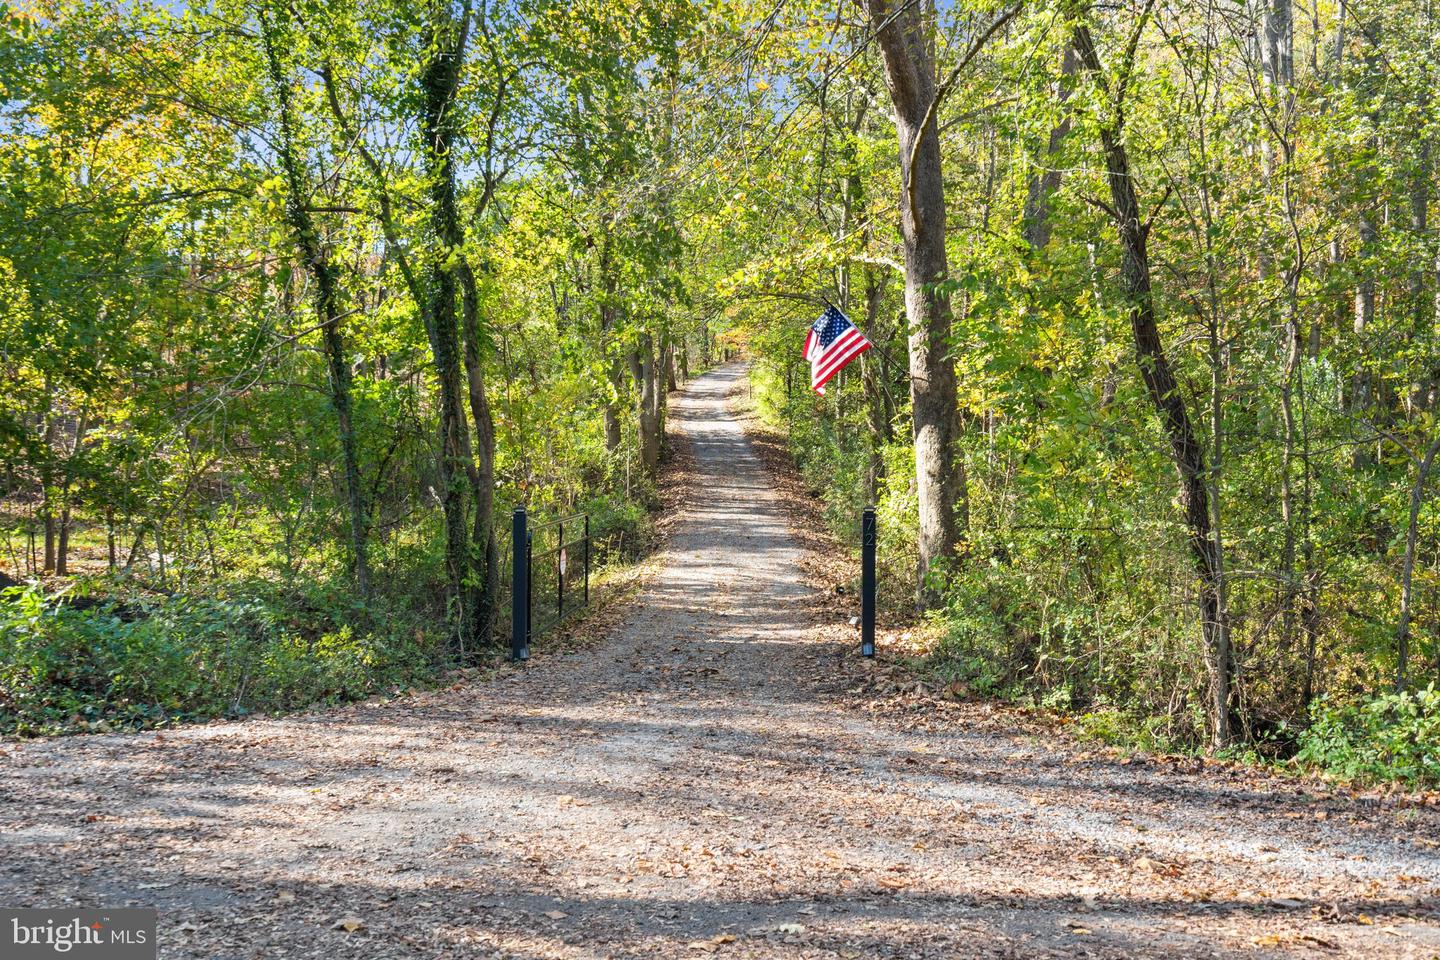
{"x":686,"y":788}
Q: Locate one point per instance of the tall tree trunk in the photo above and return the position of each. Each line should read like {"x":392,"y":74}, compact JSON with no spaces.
{"x":67,"y":483}
{"x":878,"y":405}
{"x":1186,"y":451}
{"x":1277,"y":51}
{"x":1422,"y":307}
{"x":878,"y":414}
{"x":905,"y":41}
{"x":662,"y":394}
{"x":110,"y":539}
{"x":1275,"y":43}
{"x":62,"y":549}
{"x":47,"y":477}
{"x":644,"y":369}
{"x":47,"y":519}
{"x":615,"y":373}
{"x":327,"y":307}
{"x":445,"y":40}
{"x":1407,"y":570}
{"x":485,"y":586}
{"x":614,"y":366}
{"x":1425,"y":307}
{"x":1337,"y":310}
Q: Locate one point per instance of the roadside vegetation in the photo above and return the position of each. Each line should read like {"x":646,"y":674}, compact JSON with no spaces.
{"x":296,"y":303}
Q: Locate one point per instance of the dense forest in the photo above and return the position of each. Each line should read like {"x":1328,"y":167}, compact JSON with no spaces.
{"x":298,"y":300}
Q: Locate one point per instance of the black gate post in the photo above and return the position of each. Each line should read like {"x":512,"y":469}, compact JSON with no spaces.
{"x":519,"y":586}
{"x":529,"y":589}
{"x":867,"y":582}
{"x":587,"y":559}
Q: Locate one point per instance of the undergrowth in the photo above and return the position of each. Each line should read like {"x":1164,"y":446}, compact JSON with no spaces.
{"x":1389,"y":737}
{"x":145,"y":662}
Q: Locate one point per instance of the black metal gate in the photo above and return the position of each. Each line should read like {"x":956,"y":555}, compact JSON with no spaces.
{"x":552,"y":581}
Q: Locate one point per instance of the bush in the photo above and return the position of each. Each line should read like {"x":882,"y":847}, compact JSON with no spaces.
{"x":1394,"y":736}
{"x":67,"y":668}
{"x":620,"y":528}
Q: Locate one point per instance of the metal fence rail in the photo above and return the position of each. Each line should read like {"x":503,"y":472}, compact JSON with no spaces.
{"x":556,"y":564}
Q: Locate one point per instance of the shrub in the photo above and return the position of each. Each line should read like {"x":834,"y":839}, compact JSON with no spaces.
{"x":66,"y":668}
{"x":1394,"y":736}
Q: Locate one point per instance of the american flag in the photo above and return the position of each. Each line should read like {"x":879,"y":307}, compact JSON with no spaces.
{"x":832,"y":342}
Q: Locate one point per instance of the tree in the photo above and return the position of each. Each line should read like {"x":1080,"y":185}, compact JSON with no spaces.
{"x":906,"y":40}
{"x":318,"y":262}
{"x":1187,"y":452}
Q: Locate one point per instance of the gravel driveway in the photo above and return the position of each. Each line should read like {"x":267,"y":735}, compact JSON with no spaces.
{"x":686,"y":788}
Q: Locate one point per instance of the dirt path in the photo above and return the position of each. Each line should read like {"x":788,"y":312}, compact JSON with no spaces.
{"x":683,"y":790}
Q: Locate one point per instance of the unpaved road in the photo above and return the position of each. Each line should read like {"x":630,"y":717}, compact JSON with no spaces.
{"x":682,"y":790}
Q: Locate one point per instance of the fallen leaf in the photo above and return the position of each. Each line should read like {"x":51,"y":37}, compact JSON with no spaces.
{"x":556,"y":914}
{"x":348,"y":924}
{"x":1327,"y":944}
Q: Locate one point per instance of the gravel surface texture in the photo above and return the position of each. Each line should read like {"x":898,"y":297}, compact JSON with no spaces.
{"x":696,"y":783}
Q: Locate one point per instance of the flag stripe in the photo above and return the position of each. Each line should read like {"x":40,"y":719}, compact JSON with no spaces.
{"x":826,"y":378}
{"x":829,"y":371}
{"x":839,"y":355}
{"x":840,"y":351}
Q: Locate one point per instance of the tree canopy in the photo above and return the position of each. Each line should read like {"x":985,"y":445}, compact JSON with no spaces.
{"x":298,"y":299}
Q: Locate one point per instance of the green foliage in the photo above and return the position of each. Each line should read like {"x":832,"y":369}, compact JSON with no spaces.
{"x":172,"y":414}
{"x":1130,"y":729}
{"x":1393,"y":736}
{"x":644,"y":184}
{"x":1265,"y":202}
{"x":136,"y":663}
